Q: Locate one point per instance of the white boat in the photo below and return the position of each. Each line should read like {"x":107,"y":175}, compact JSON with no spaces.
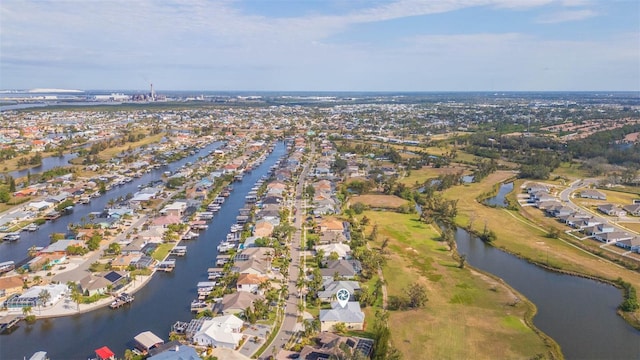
{"x":225,"y":246}
{"x":31,"y":227}
{"x":11,"y":237}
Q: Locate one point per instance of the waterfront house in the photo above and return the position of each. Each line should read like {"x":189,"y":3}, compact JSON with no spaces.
{"x":173,"y":350}
{"x":40,"y":205}
{"x":350,"y":315}
{"x":222,"y":331}
{"x":176,"y":209}
{"x":251,"y":266}
{"x":31,"y":297}
{"x":104,"y":353}
{"x":250,"y":282}
{"x":92,"y":285}
{"x":152,"y":234}
{"x":60,"y":247}
{"x":165,"y":221}
{"x":236,"y":303}
{"x":612,"y":237}
{"x":122,"y":261}
{"x":146,"y":341}
{"x":263,"y":228}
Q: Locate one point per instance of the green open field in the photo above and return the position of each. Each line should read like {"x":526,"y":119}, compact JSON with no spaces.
{"x":379,"y":201}
{"x":468,"y":315}
{"x":570,"y":171}
{"x":113,"y":151}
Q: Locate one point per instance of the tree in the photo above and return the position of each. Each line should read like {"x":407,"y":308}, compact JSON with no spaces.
{"x":462,"y":259}
{"x":4,"y":196}
{"x":310,"y":191}
{"x":76,"y":296}
{"x":384,"y":244}
{"x":340,"y":328}
{"x":417,"y":294}
{"x":311,"y":326}
{"x":374,"y":233}
{"x":43,"y":297}
{"x":114,"y":248}
{"x":26,"y":310}
{"x":12,"y":184}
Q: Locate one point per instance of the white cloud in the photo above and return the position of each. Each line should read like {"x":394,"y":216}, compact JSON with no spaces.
{"x":214,"y":45}
{"x":572,"y":3}
{"x":565,"y":16}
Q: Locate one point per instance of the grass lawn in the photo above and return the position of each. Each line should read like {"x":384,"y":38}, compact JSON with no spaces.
{"x":467,"y":315}
{"x":519,"y":235}
{"x":570,"y":171}
{"x":631,"y":226}
{"x":620,"y":198}
{"x":379,"y":201}
{"x":162,"y":251}
{"x":113,"y":151}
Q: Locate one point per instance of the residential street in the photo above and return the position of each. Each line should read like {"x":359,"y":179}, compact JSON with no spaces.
{"x":291,"y":304}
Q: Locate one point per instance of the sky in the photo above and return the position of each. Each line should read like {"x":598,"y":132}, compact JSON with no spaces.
{"x":321,"y":45}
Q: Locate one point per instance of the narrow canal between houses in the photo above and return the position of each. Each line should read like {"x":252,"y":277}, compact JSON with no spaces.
{"x":579,"y":314}
{"x":164,"y":300}
{"x":17,"y":251}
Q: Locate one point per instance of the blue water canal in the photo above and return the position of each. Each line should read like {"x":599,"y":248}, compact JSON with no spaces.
{"x":17,"y":251}
{"x":164,"y":300}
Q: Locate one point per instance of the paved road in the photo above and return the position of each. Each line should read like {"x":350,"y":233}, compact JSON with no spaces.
{"x":291,"y":303}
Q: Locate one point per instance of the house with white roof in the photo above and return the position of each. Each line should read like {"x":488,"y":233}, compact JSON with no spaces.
{"x":222,"y":331}
{"x":343,"y":250}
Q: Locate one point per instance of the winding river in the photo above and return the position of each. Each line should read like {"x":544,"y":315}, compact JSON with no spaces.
{"x":579,"y":314}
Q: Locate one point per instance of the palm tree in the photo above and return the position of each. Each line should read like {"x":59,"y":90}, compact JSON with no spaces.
{"x":26,"y":310}
{"x":43,"y":297}
{"x":76,"y":296}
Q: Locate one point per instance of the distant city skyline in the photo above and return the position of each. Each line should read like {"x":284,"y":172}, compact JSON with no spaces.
{"x":332,"y":45}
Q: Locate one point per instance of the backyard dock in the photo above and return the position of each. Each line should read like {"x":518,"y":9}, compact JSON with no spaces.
{"x":122,"y":300}
{"x":9,"y":321}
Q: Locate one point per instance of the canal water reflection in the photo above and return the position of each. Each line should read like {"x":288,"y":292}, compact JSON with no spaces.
{"x":164,"y":300}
